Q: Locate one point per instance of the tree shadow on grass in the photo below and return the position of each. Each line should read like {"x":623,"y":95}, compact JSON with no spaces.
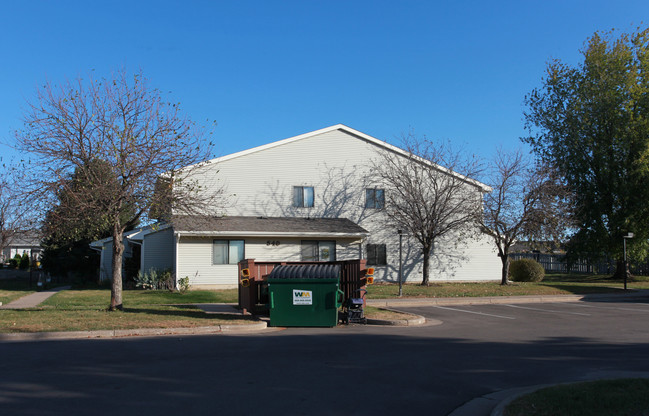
{"x":577,"y":278}
{"x":584,"y":290}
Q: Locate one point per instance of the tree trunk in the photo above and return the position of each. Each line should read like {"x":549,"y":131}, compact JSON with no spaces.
{"x":118,"y":253}
{"x":621,"y":270}
{"x":505,"y":270}
{"x":424,"y":281}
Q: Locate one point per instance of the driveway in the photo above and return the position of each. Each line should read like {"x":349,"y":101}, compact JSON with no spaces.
{"x":345,"y":370}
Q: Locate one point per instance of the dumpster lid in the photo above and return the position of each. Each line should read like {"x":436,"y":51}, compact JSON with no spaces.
{"x":306,"y":271}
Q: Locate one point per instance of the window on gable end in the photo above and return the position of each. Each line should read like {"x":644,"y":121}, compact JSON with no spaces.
{"x":374,"y":198}
{"x":303,"y":196}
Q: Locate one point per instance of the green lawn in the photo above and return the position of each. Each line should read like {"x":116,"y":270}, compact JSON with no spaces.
{"x":625,"y":397}
{"x":553,"y":284}
{"x":100,"y":298}
{"x":83,"y":310}
{"x":12,"y":289}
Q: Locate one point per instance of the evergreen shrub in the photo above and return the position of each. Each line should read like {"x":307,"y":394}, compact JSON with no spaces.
{"x":24,"y":262}
{"x":526,"y":270}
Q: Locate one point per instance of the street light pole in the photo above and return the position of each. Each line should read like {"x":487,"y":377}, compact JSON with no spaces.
{"x":626,"y":266}
{"x":400,"y":262}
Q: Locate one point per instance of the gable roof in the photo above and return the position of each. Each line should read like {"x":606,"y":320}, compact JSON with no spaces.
{"x":380,"y":143}
{"x":25,"y":238}
{"x":127,"y":234}
{"x":266,"y":226}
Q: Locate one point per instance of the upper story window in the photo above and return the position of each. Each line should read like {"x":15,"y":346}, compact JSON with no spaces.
{"x":227,"y":251}
{"x":303,"y":196}
{"x":374,"y":198}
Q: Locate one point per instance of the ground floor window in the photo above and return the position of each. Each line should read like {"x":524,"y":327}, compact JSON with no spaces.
{"x":227,"y":251}
{"x":315,"y":250}
{"x":376,"y":255}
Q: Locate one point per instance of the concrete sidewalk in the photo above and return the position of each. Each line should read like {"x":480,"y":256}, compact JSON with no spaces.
{"x":33,"y":300}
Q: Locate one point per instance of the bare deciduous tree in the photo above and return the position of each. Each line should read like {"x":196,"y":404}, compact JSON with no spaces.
{"x":14,"y":215}
{"x":527,"y":201}
{"x":429,"y":193}
{"x":125,"y":125}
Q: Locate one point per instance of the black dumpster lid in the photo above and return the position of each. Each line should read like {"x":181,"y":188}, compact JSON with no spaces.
{"x":306,"y":271}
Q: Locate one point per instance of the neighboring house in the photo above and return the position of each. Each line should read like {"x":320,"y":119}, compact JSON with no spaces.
{"x":309,"y":197}
{"x":105,"y":249}
{"x":545,"y":247}
{"x":23,"y":242}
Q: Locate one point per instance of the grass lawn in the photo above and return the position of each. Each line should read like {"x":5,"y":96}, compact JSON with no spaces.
{"x":384,"y":314}
{"x":625,"y":397}
{"x":83,"y":310}
{"x":553,"y":284}
{"x":12,"y":289}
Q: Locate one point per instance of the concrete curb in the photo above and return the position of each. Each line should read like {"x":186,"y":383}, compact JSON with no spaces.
{"x":121,"y":333}
{"x":413,"y":320}
{"x":416,"y":320}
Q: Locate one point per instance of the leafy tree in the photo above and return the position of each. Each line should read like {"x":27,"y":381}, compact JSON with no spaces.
{"x":79,"y":218}
{"x":425,"y":194}
{"x":124,"y":123}
{"x":527,"y":201}
{"x":591,"y":121}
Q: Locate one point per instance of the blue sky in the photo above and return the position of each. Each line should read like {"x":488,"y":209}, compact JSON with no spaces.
{"x":268,"y":70}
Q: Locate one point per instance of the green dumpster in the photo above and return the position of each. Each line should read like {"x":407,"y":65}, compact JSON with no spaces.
{"x":304,"y":295}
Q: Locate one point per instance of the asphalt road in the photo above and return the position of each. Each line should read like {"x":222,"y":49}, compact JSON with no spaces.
{"x":345,"y":370}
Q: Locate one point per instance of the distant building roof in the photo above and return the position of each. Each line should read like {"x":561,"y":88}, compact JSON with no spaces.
{"x":537,"y":247}
{"x":27,"y":238}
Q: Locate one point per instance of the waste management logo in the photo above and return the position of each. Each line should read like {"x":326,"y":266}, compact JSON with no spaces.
{"x":302,"y":297}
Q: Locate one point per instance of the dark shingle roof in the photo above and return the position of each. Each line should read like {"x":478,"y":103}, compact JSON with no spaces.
{"x":267,"y":225}
{"x":26,"y":238}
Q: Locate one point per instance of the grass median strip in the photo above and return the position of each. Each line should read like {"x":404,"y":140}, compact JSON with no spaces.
{"x":372,"y":312}
{"x":598,"y":398}
{"x":554,"y":284}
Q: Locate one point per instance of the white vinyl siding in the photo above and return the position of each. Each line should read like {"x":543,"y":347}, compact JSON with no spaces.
{"x":106,"y":261}
{"x":195,"y":262}
{"x":158,"y":250}
{"x":337,"y":165}
{"x":195,"y":257}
